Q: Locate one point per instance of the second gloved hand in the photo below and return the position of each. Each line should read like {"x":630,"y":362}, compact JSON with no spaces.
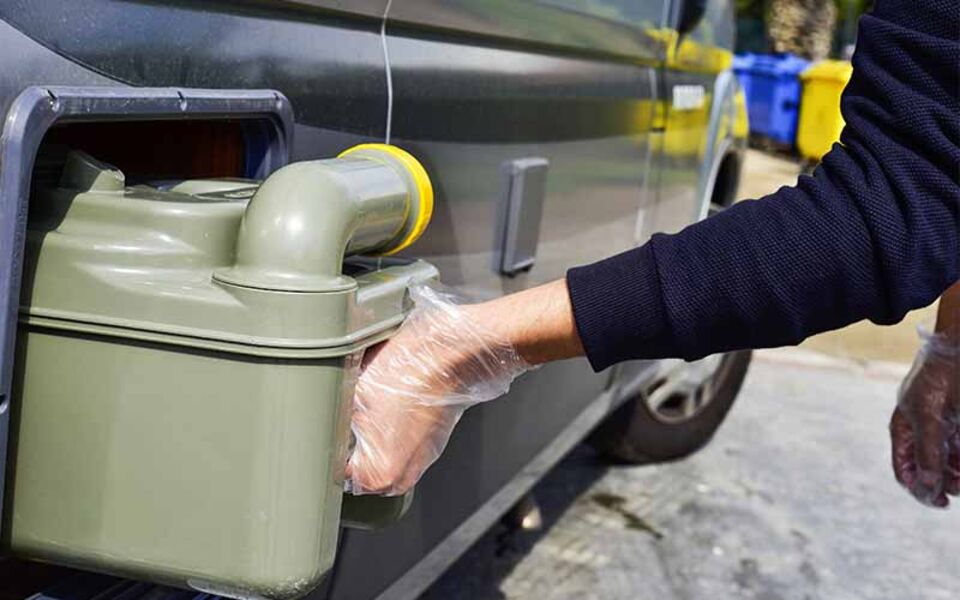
{"x":925,"y":428}
{"x":412,"y":390}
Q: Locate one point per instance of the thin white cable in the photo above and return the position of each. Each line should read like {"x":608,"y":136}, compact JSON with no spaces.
{"x":386,"y":63}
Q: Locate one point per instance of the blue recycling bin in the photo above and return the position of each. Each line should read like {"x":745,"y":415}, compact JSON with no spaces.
{"x":773,"y":100}
{"x":743,"y":68}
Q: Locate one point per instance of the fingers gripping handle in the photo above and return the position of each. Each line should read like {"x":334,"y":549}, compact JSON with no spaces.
{"x":413,"y":389}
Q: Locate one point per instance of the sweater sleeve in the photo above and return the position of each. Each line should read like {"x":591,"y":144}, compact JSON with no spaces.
{"x":872,"y":234}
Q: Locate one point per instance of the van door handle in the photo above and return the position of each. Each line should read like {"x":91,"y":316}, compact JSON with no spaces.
{"x":520,"y":214}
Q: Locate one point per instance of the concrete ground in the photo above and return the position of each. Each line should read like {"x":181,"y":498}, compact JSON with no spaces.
{"x":793,"y":499}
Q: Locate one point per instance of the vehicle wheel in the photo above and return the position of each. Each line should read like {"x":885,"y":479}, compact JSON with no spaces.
{"x":676,"y":415}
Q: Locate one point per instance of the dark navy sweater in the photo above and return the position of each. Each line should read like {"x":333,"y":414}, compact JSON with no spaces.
{"x":871,"y":235}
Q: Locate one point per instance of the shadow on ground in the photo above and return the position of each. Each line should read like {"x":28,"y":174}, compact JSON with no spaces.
{"x":481,"y":571}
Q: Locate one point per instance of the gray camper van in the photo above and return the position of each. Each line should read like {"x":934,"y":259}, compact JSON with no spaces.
{"x":135,"y":135}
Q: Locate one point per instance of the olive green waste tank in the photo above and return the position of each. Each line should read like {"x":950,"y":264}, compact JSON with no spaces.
{"x":185,"y":365}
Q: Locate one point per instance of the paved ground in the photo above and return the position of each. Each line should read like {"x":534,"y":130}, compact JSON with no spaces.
{"x":792,"y":500}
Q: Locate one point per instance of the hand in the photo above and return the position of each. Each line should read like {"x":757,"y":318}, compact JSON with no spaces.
{"x":925,"y":428}
{"x":412,"y":390}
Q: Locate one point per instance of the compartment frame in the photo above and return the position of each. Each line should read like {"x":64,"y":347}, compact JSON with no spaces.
{"x":267,"y":119}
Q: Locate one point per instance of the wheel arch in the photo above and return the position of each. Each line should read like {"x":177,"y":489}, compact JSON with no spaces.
{"x":721,"y":141}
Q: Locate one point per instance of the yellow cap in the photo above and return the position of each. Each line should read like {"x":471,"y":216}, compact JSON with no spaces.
{"x":424,"y":190}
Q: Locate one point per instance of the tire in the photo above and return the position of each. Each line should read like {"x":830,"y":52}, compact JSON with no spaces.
{"x":634,"y":434}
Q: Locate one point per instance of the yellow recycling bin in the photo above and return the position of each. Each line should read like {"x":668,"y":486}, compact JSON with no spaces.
{"x":820,"y":118}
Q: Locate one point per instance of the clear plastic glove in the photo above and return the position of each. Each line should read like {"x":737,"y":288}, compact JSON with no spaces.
{"x":925,"y":428}
{"x":413,"y":388}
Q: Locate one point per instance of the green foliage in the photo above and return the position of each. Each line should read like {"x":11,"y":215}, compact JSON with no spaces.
{"x":749,"y":8}
{"x":855,"y":7}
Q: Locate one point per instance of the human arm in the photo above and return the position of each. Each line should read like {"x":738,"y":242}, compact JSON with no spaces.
{"x":872,"y":234}
{"x":948,"y":314}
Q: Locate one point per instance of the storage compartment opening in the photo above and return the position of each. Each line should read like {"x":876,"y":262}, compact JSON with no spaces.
{"x":158,"y":149}
{"x":151,"y":134}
